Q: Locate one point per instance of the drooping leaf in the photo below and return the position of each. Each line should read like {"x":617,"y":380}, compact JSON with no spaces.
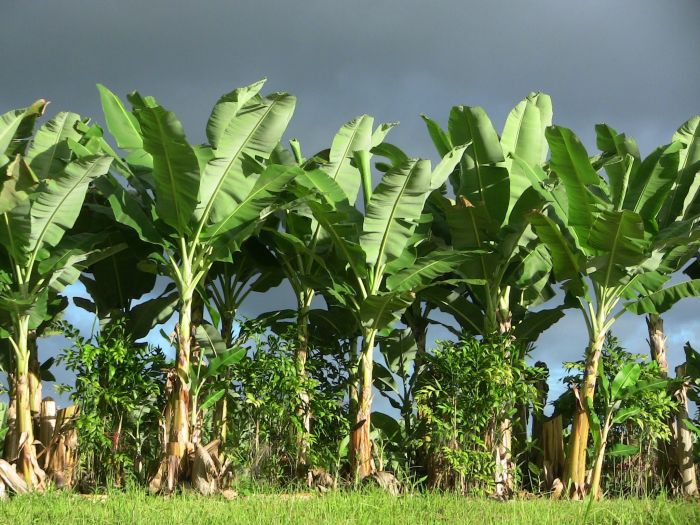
{"x":49,"y":151}
{"x":58,"y":200}
{"x":425,"y":271}
{"x":15,"y":129}
{"x":570,"y":162}
{"x":394,"y":211}
{"x":354,"y":136}
{"x":663,"y":300}
{"x":483,"y":177}
{"x":619,"y":238}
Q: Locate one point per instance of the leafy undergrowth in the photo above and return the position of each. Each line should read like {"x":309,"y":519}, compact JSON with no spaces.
{"x":340,"y":507}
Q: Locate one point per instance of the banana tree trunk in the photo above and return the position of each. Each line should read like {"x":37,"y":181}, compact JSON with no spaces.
{"x":503,"y":475}
{"x":657,"y":341}
{"x":575,"y":469}
{"x":24,"y":425}
{"x":657,"y":348}
{"x":684,"y":442}
{"x":302,"y":354}
{"x":360,"y":442}
{"x":177,"y":446}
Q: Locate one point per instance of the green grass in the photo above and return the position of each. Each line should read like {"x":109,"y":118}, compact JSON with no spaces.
{"x":339,"y":507}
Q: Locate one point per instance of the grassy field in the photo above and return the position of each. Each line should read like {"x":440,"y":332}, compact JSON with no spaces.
{"x":373,"y":508}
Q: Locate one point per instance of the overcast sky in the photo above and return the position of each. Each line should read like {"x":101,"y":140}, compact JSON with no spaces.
{"x":630,"y":63}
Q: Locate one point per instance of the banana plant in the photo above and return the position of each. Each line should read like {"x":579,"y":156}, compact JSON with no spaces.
{"x":44,"y":183}
{"x":606,"y":245}
{"x":195,"y":203}
{"x":299,"y":240}
{"x":380,"y":270}
{"x":510,"y":270}
{"x":678,"y":210}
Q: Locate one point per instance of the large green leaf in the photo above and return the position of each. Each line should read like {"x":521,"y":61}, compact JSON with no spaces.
{"x":399,"y":350}
{"x":440,"y":139}
{"x":523,"y":137}
{"x":540,"y":182}
{"x":128,"y":209}
{"x":20,"y":181}
{"x":252,"y":207}
{"x":566,"y":263}
{"x":663,"y":300}
{"x":471,"y":227}
{"x":425,"y":271}
{"x":148,"y":314}
{"x":684,"y":199}
{"x":446,"y":167}
{"x":354,"y":136}
{"x":535,"y":323}
{"x":242,"y":136}
{"x":224,"y":360}
{"x":650,"y":184}
{"x":624,"y":380}
{"x":623,"y":450}
{"x":380,"y":311}
{"x":484,"y":177}
{"x":394,"y":210}
{"x":122,"y":124}
{"x":324,"y":187}
{"x":225,"y":111}
{"x":57,"y":201}
{"x":343,"y":226}
{"x":570,"y":162}
{"x":15,"y":129}
{"x":49,"y":151}
{"x":621,"y":160}
{"x":175,"y":166}
{"x":619,"y":239}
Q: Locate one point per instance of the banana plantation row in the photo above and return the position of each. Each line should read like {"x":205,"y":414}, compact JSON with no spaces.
{"x":153,"y":225}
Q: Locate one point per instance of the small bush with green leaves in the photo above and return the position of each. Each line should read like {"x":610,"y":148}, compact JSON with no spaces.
{"x":264,"y":414}
{"x":119,"y":394}
{"x":465,"y":388}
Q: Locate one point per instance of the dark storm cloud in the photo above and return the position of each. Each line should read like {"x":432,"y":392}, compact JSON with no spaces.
{"x":632,"y":63}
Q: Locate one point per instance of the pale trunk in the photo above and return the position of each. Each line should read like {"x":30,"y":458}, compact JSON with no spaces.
{"x":575,"y":471}
{"x":24,"y":434}
{"x":684,"y":442}
{"x":504,"y":432}
{"x":360,"y":442}
{"x":302,"y":353}
{"x":657,"y":341}
{"x":180,"y":427}
{"x":658,"y":350}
